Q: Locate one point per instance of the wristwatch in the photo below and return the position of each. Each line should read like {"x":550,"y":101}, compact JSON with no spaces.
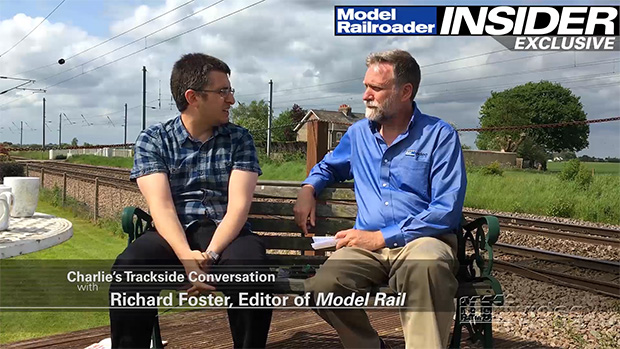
{"x":213,"y":255}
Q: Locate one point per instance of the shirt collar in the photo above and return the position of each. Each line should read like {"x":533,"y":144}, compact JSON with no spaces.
{"x":182,"y":135}
{"x":416,"y":112}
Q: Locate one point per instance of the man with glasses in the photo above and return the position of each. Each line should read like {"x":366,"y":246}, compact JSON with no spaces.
{"x":410,"y":187}
{"x":197,"y":173}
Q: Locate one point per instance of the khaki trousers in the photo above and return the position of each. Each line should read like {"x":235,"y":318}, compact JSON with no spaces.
{"x":424,"y":269}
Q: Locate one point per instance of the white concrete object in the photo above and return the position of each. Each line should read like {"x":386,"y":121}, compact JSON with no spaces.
{"x":27,"y":235}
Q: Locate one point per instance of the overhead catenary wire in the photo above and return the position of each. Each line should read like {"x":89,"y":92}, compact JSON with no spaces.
{"x":133,"y":42}
{"x":161,"y":42}
{"x":33,"y":29}
{"x":112,"y":38}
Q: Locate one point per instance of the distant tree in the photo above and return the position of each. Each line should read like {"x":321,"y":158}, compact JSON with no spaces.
{"x":284,"y":124}
{"x":297,"y":113}
{"x":74,"y":142}
{"x":530,"y":104}
{"x":252,"y":116}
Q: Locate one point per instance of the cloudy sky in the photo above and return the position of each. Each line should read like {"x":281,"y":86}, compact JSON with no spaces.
{"x":291,"y":42}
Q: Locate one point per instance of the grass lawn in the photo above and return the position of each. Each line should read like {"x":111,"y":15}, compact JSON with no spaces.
{"x":88,"y":242}
{"x":125,"y":162}
{"x":599,"y":167}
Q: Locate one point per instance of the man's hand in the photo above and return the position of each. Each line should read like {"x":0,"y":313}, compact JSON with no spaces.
{"x":305,"y":207}
{"x":370,"y":240}
{"x":197,"y":263}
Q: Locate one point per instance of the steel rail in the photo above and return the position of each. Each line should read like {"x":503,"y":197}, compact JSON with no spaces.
{"x":588,"y":284}
{"x":609,"y":232}
{"x":557,"y":234}
{"x":606,"y":266}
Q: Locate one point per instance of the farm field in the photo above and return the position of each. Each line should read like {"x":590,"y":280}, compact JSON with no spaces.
{"x":599,"y":167}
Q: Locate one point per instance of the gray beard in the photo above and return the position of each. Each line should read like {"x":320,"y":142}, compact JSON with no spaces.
{"x":377,"y":115}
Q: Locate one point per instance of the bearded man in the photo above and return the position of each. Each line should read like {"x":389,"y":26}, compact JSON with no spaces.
{"x":409,"y":187}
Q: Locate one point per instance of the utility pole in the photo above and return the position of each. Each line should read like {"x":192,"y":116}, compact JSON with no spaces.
{"x":21,"y":133}
{"x":159,"y":99}
{"x":270,"y":117}
{"x":143,"y":97}
{"x":43,"y":123}
{"x":125,"y":141}
{"x":59,"y":130}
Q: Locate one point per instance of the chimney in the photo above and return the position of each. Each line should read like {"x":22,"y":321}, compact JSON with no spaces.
{"x":344,"y":108}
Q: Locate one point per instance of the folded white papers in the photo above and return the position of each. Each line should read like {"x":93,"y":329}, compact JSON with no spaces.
{"x":320,"y":242}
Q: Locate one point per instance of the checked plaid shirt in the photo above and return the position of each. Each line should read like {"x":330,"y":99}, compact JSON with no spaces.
{"x":198,"y":172}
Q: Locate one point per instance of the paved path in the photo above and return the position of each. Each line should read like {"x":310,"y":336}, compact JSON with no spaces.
{"x":289,"y":329}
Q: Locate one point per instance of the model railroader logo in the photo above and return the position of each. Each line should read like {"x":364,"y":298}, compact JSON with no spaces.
{"x":524,"y":28}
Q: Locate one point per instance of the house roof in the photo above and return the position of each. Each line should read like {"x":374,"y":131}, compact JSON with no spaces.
{"x":330,"y":116}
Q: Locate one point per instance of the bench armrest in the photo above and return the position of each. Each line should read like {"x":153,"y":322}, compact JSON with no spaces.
{"x":473,"y":233}
{"x":143,"y":222}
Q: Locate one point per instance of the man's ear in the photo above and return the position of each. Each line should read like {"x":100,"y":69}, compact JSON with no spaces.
{"x":407,"y":92}
{"x":191,"y":96}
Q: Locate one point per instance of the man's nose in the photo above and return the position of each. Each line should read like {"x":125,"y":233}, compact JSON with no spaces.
{"x":230,"y":99}
{"x":367,"y":96}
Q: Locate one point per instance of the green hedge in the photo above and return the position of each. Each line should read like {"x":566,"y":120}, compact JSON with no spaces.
{"x":11,"y":169}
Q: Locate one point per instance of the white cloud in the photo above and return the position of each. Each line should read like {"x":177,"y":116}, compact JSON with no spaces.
{"x":290,"y":42}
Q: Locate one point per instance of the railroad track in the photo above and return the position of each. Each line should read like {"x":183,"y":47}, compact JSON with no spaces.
{"x":580,"y":230}
{"x":608,"y":285}
{"x":607,"y":280}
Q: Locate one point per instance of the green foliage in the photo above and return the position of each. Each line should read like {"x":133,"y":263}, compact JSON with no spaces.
{"x":11,"y":169}
{"x":533,"y":103}
{"x":561,"y":207}
{"x":74,"y":142}
{"x":492,"y":169}
{"x":60,"y":157}
{"x":282,"y":127}
{"x":252,"y":116}
{"x":576,"y":171}
{"x":531,"y":192}
{"x":584,"y":177}
{"x":570,"y":170}
{"x":533,"y":152}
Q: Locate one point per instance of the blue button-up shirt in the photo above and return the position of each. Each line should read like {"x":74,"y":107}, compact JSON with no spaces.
{"x":415,"y":187}
{"x":198,"y":172}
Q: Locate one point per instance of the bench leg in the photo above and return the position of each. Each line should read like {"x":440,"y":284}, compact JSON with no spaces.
{"x":156,"y":337}
{"x":487,"y":336}
{"x":455,"y":342}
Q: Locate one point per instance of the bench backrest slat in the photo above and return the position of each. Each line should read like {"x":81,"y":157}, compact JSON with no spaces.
{"x":281,"y":192}
{"x":324,"y":226}
{"x":286,"y":209}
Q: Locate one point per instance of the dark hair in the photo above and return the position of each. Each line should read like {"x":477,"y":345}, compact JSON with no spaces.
{"x":406,"y":69}
{"x":192,"y":71}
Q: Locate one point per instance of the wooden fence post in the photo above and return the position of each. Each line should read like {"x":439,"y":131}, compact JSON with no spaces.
{"x":27,"y":170}
{"x":96,"y":205}
{"x":64,"y":188}
{"x":316,"y":143}
{"x":42,"y":177}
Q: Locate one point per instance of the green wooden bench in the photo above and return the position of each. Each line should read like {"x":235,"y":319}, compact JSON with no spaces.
{"x":271,"y":215}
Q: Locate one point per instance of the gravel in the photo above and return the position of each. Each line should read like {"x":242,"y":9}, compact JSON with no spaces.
{"x":557,"y":316}
{"x":560,"y":245}
{"x":546,"y":218}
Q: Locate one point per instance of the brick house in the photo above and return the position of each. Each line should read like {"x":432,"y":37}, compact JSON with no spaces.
{"x":338,"y":123}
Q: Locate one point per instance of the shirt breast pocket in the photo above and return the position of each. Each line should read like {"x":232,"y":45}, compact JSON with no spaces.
{"x":413,"y":176}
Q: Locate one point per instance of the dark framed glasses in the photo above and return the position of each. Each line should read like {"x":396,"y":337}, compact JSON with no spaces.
{"x":224,"y":92}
